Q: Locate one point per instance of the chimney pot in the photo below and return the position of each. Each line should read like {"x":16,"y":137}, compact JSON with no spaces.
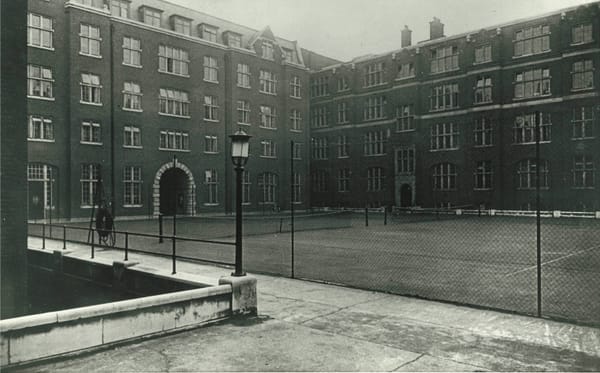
{"x":405,"y":38}
{"x":436,"y":29}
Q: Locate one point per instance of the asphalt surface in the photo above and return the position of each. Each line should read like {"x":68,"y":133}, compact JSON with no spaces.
{"x":307,"y":326}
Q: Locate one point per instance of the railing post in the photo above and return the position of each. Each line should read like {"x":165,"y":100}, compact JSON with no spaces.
{"x":366,"y":216}
{"x":43,"y":236}
{"x":384,"y":215}
{"x":64,"y":237}
{"x":126,"y":245}
{"x":93,"y":241}
{"x":173,"y":254}
{"x":160,"y":228}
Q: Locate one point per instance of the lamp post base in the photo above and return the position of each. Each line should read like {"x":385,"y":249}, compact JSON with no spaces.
{"x":234,"y":274}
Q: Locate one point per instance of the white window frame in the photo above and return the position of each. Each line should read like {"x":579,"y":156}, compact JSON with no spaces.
{"x":211,"y":182}
{"x":483,"y":132}
{"x":375,"y":179}
{"x":483,"y":54}
{"x":374,"y":74}
{"x":267,"y":50}
{"x":40,"y":31}
{"x":343,"y":182}
{"x":582,"y":75}
{"x":90,"y":89}
{"x":531,"y":41}
{"x":533,"y":83}
{"x":295,"y":87}
{"x":375,"y":108}
{"x":174,"y":141}
{"x":343,"y":147}
{"x":90,"y":175}
{"x":483,"y":90}
{"x":405,"y":160}
{"x":445,"y":176}
{"x":132,"y":52}
{"x":444,"y":97}
{"x":297,"y":188}
{"x":267,"y":182}
{"x":268,"y":148}
{"x":526,"y":174}
{"x":320,"y":148}
{"x":119,"y":8}
{"x":444,"y":136}
{"x":374,"y":143}
{"x":583,"y":172}
{"x":243,"y":75}
{"x":211,"y":108}
{"x":132,"y":97}
{"x":268,"y":82}
{"x":211,"y":144}
{"x":40,"y":125}
{"x":405,"y":118}
{"x":132,"y":137}
{"x":91,"y":133}
{"x":132,"y":186}
{"x":342,"y":112}
{"x":211,"y":69}
{"x":173,"y":60}
{"x":444,"y":59}
{"x":268,"y":117}
{"x":524,"y":128}
{"x":483,"y":175}
{"x":243,"y":110}
{"x":582,"y":34}
{"x":295,"y":121}
{"x":40,"y":78}
{"x":583,"y":120}
{"x":173,"y":103}
{"x":89,"y":40}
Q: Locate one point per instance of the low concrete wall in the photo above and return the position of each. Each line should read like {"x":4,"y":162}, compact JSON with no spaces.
{"x":37,"y":337}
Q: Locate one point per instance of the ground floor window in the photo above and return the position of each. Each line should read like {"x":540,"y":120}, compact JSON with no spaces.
{"x":132,"y":184}
{"x":444,"y":176}
{"x":527,"y":174}
{"x":211,"y":182}
{"x":268,"y":184}
{"x":583,"y":171}
{"x":375,"y":179}
{"x":46,"y":175}
{"x":297,"y":188}
{"x":90,"y":174}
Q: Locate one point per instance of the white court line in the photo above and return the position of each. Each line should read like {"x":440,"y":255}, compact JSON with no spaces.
{"x":552,"y":261}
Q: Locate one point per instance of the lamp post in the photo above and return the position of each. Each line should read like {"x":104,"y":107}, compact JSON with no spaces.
{"x":239,"y":156}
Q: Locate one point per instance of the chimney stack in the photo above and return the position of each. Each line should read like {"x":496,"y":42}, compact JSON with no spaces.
{"x":436,"y":29}
{"x":405,"y":38}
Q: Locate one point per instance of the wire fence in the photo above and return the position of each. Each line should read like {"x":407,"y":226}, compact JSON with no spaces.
{"x":485,"y":258}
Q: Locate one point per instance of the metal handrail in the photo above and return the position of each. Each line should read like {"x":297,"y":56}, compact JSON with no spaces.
{"x":127,"y":249}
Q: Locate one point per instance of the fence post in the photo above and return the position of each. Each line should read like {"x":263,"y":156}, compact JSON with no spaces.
{"x":385,"y":208}
{"x":126,"y":245}
{"x":173,"y":254}
{"x":366,"y":216}
{"x":43,"y":236}
{"x":93,"y":241}
{"x":160,"y":228}
{"x":280,"y":225}
{"x":64,"y":237}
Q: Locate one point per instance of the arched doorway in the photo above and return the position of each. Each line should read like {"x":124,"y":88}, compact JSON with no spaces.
{"x":174,"y":190}
{"x":405,"y":195}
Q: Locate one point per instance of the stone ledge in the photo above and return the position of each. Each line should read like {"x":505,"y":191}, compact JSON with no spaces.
{"x":243,"y":294}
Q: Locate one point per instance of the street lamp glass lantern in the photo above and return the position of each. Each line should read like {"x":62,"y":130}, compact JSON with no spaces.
{"x":239,"y":147}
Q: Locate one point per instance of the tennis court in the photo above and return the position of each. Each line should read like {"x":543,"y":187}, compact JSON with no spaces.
{"x":487,"y":261}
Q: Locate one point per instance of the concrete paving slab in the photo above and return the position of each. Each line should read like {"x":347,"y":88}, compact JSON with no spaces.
{"x":307,"y":326}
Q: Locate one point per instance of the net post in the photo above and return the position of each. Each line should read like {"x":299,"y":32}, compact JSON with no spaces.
{"x":93,"y":242}
{"x":160,"y":228}
{"x":126,"y":246}
{"x":385,"y":212}
{"x":366,"y":215}
{"x":43,"y":236}
{"x":173,"y":254}
{"x":64,"y":237}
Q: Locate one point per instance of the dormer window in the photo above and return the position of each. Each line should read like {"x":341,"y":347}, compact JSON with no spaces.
{"x":119,"y":8}
{"x":267,"y":50}
{"x":182,"y":25}
{"x":290,"y":55}
{"x":208,"y":32}
{"x":151,"y":16}
{"x":234,"y":40}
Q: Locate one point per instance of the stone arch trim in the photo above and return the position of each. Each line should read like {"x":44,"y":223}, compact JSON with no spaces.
{"x":191,"y":187}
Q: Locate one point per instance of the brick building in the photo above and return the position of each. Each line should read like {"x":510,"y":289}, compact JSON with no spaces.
{"x":117,"y":89}
{"x":450,"y":121}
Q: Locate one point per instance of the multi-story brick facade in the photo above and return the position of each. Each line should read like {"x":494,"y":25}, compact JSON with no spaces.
{"x":119,"y":88}
{"x":451,"y":121}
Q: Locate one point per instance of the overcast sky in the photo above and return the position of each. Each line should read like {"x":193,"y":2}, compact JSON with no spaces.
{"x":344,"y":29}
